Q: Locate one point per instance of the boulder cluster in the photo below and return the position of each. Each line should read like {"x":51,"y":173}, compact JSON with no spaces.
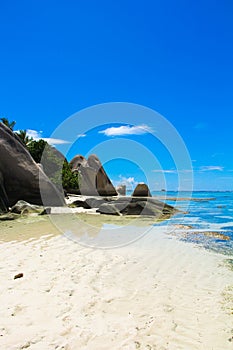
{"x":23,"y":181}
{"x":94,"y":181}
{"x":126,"y":206}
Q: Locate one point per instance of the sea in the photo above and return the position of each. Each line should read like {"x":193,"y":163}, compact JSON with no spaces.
{"x":205,"y":216}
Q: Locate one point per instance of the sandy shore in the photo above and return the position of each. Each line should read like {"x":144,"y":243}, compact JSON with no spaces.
{"x":157,"y":293}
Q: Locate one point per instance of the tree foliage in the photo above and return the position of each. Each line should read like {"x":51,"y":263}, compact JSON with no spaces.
{"x":6,"y":121}
{"x":54,"y":164}
{"x":22,"y":134}
{"x":36,"y":149}
{"x":70,"y":180}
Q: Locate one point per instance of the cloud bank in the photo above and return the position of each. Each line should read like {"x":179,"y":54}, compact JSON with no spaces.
{"x":211,"y":168}
{"x":127,"y":130}
{"x":37,"y":135}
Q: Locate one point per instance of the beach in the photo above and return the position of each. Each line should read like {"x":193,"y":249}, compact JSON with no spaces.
{"x":116,"y":175}
{"x":155,"y":293}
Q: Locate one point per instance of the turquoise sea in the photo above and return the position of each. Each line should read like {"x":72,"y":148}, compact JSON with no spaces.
{"x":205,"y":212}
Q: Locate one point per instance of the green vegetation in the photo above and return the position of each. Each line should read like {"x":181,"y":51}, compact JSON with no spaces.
{"x":10,"y":125}
{"x":70,"y":180}
{"x":22,"y":134}
{"x":36,"y":149}
{"x":54,"y":164}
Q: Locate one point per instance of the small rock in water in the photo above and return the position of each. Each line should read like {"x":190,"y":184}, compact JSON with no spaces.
{"x":213,"y":234}
{"x":19,"y":275}
{"x":183,"y":227}
{"x":218,"y":235}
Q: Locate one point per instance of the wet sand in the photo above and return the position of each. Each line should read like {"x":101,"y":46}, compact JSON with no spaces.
{"x":155,"y":293}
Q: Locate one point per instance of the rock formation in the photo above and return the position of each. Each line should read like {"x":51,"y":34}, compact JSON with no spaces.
{"x":20,"y":177}
{"x":52,"y":161}
{"x":94,"y":180}
{"x":22,"y":208}
{"x":141,"y":190}
{"x":128,"y":206}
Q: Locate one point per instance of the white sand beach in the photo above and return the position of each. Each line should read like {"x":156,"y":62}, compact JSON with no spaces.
{"x":157,"y":293}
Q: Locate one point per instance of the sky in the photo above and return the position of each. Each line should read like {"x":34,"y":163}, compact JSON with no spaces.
{"x":173,"y":57}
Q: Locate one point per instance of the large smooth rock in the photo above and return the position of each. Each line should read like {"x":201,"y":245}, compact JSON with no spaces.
{"x":108,"y":209}
{"x":4,"y":204}
{"x":94,"y":180}
{"x":143,"y":206}
{"x":128,"y":206}
{"x":22,"y":207}
{"x":52,"y":161}
{"x":141,"y":190}
{"x":96,"y":202}
{"x":20,"y":177}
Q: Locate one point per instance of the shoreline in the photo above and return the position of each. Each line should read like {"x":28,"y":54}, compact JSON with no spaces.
{"x":157,"y":292}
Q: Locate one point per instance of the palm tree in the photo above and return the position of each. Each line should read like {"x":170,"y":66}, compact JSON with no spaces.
{"x":8,"y":123}
{"x":24,"y":137}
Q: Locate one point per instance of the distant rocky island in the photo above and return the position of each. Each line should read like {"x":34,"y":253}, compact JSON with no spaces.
{"x":23,"y":178}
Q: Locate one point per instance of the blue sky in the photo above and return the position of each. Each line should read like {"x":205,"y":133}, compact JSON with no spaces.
{"x":175,"y":57}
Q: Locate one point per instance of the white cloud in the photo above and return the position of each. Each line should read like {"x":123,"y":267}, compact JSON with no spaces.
{"x":37,"y":135}
{"x":52,"y":141}
{"x":200,"y":169}
{"x":211,"y":168}
{"x":129,"y":182}
{"x":34,"y":134}
{"x":81,"y":135}
{"x":126,"y":130}
{"x":172,"y":171}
